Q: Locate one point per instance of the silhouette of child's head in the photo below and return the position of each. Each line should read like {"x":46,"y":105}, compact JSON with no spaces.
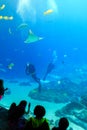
{"x":63,"y":123}
{"x":13,"y":105}
{"x":23,"y":104}
{"x":39,"y":111}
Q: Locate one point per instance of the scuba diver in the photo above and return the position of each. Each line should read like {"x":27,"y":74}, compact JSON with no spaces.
{"x":30,"y":70}
{"x":51,"y":65}
{"x":49,"y":69}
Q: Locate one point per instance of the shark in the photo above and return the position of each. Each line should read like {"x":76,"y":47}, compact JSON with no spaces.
{"x":32,"y":38}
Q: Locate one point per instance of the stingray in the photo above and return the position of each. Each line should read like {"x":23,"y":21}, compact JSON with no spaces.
{"x":32,"y":38}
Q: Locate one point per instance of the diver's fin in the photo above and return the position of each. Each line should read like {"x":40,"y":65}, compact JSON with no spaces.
{"x":44,"y":78}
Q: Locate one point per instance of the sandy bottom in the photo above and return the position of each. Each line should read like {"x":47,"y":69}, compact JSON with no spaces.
{"x":19,"y":93}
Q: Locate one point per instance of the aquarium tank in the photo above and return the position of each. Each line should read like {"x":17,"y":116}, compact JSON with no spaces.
{"x":43,"y":57}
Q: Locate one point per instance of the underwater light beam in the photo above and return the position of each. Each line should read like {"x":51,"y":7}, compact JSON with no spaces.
{"x":52,"y":4}
{"x":23,"y":4}
{"x":26,"y":10}
{"x":23,"y":7}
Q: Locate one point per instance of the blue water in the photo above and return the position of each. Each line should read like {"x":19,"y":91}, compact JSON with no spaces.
{"x":64,"y":31}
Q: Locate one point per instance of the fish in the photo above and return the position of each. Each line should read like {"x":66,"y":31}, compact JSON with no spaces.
{"x":10,"y":18}
{"x":2,"y":7}
{"x":48,"y":12}
{"x":7,"y":18}
{"x":32,"y":38}
{"x":22,"y":25}
{"x":1,"y":17}
{"x":10,"y":66}
{"x":9,"y":30}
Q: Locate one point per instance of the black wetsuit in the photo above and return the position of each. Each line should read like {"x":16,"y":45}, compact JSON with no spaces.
{"x":30,"y":70}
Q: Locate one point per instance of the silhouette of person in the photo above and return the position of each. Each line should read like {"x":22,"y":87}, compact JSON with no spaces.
{"x":15,"y":115}
{"x":63,"y":124}
{"x":30,"y":70}
{"x":2,"y":89}
{"x":38,"y":122}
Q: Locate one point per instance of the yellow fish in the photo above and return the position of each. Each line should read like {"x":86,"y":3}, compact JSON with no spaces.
{"x":8,"y":18}
{"x":48,"y":12}
{"x":1,"y":17}
{"x":5,"y":17}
